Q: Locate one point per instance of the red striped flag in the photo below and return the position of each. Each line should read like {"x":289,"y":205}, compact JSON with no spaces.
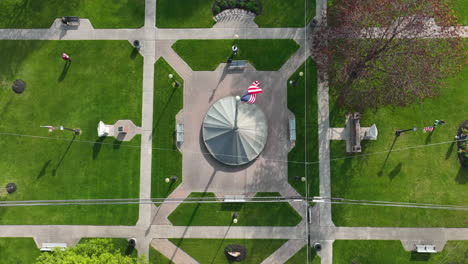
{"x":428,"y":129}
{"x":254,"y":88}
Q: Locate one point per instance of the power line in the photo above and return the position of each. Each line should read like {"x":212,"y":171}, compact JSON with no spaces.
{"x":220,"y":154}
{"x":255,"y":199}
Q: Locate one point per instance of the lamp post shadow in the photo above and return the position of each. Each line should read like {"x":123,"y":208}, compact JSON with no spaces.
{"x":388,"y":155}
{"x":66,"y":66}
{"x":54,"y":171}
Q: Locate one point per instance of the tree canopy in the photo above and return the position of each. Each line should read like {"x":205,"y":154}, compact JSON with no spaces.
{"x":93,"y":251}
{"x":390,"y":52}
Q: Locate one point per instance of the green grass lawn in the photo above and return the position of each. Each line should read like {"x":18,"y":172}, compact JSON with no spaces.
{"x":220,"y":214}
{"x":120,"y":244}
{"x":291,"y":13}
{"x":212,"y":250}
{"x":301,"y":257}
{"x":155,"y":257}
{"x":302,"y":101}
{"x":57,"y":165}
{"x":263,"y":54}
{"x":42,"y":13}
{"x":391,"y":251}
{"x":184,"y":14}
{"x":460,"y":7}
{"x":168,"y":101}
{"x":15,"y":250}
{"x":428,"y":174}
{"x":198,"y":14}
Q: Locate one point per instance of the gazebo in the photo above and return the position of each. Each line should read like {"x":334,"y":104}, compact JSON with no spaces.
{"x":234,"y":133}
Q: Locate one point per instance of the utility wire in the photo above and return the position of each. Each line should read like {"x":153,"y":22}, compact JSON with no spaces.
{"x":220,"y":154}
{"x":201,"y":200}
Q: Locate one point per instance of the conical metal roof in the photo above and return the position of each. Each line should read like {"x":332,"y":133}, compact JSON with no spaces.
{"x":231,"y":144}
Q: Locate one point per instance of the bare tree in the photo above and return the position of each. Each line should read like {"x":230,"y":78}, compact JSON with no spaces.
{"x":390,"y":52}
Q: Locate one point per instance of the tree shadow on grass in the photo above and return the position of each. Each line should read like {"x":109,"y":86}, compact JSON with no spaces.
{"x":449,"y":151}
{"x":66,"y":66}
{"x":462,"y":176}
{"x":43,"y":170}
{"x":97,"y":146}
{"x":395,"y":171}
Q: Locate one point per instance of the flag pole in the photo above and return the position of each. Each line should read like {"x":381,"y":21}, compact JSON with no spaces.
{"x":237,"y":106}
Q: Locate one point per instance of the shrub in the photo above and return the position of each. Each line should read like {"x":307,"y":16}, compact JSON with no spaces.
{"x":232,"y":3}
{"x":222,"y":4}
{"x":216,"y":9}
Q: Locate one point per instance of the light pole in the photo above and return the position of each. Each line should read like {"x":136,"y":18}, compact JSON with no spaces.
{"x":234,"y":48}
{"x":398,"y":132}
{"x":77,"y":131}
{"x":293,"y":83}
{"x":234,"y":218}
{"x":175,"y":83}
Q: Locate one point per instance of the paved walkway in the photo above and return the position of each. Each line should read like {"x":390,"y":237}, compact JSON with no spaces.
{"x":153,"y":226}
{"x":172,"y":252}
{"x":285,"y":252}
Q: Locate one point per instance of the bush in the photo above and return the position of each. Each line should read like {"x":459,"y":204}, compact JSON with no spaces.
{"x":463,"y":144}
{"x":216,"y":9}
{"x":249,"y":5}
{"x":222,"y":4}
{"x":252,"y":7}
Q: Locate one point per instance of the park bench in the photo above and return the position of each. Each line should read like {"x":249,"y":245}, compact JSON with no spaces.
{"x":71,"y":20}
{"x":237,"y":64}
{"x":354,"y":131}
{"x":425,"y":249}
{"x":292,"y":130}
{"x":50,"y":246}
{"x":180,"y":133}
{"x":234,"y":199}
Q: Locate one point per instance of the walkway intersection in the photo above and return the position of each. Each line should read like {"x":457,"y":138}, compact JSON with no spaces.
{"x":201,"y":90}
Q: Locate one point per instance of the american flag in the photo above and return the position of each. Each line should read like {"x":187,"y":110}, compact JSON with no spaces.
{"x":428,"y":129}
{"x":254,"y":88}
{"x":249,"y":98}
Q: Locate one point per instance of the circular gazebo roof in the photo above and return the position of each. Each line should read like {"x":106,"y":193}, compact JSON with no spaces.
{"x":230,"y":142}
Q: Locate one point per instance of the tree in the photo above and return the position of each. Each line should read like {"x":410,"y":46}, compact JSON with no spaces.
{"x":94,"y":251}
{"x":390,"y":52}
